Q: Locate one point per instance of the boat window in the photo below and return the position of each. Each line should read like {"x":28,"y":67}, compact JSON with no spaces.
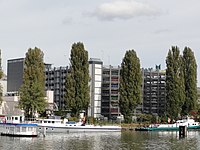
{"x":45,"y":121}
{"x":53,"y":121}
{"x":16,"y":118}
{"x":46,"y":128}
{"x":12,"y":118}
{"x":17,"y":129}
{"x":11,"y":128}
{"x":58,"y":122}
{"x":49,"y":121}
{"x":23,"y":129}
{"x":52,"y":129}
{"x":30,"y":128}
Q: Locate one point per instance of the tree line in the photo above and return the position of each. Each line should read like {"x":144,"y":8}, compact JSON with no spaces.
{"x":181,"y":82}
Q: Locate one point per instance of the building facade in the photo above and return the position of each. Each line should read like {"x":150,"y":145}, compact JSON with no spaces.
{"x":110,"y":92}
{"x":95,"y":71}
{"x":3,"y":83}
{"x":55,"y":81}
{"x":15,"y":69}
{"x":154,"y":91}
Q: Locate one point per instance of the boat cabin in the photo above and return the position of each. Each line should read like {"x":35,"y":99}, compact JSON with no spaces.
{"x":14,"y":119}
{"x":52,"y":121}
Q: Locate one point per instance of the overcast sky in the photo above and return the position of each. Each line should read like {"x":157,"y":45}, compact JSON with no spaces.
{"x":106,"y":27}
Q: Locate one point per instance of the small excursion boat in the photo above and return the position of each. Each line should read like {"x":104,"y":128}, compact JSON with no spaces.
{"x":189,"y":123}
{"x":12,"y":126}
{"x":65,"y":126}
{"x":19,"y":130}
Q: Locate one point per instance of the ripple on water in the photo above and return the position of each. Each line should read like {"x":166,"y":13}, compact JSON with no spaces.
{"x":105,"y":141}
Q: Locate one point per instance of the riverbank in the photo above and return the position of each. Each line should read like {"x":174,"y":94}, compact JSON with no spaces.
{"x":130,"y":127}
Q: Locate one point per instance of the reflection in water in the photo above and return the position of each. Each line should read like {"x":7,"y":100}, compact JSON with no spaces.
{"x":105,"y":141}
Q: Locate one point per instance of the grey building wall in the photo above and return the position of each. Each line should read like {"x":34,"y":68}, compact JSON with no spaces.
{"x":14,"y":74}
{"x":154,"y":91}
{"x":110,"y":92}
{"x":55,"y":81}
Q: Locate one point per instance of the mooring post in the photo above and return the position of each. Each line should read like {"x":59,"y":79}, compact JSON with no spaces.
{"x":44,"y":131}
{"x":182,"y":131}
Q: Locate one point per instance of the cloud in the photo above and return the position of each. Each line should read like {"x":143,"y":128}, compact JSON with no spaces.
{"x":124,"y":9}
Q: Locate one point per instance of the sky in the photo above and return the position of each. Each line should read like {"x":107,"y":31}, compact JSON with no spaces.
{"x":107,"y":28}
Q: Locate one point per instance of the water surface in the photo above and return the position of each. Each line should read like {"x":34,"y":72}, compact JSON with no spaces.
{"x":126,"y":140}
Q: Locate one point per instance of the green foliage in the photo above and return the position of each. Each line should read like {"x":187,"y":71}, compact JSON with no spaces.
{"x":145,"y":118}
{"x":190,"y":74}
{"x":174,"y":83}
{"x":73,"y":119}
{"x":130,"y":84}
{"x":77,"y":88}
{"x":32,"y":91}
{"x":181,"y":82}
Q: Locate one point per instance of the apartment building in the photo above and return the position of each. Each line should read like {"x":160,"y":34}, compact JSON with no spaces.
{"x":154,"y":91}
{"x":95,"y":71}
{"x":110,"y":92}
{"x":55,"y":81}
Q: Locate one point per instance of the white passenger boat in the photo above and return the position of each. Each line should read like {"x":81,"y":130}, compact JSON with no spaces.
{"x":65,"y":126}
{"x":19,"y":130}
{"x":13,"y":126}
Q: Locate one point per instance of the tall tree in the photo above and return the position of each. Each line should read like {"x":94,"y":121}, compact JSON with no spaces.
{"x":190,"y":74}
{"x":32,"y":91}
{"x":77,"y":87}
{"x":130,"y":84}
{"x":174,"y":83}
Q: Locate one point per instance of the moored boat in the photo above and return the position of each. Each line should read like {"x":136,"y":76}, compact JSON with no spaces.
{"x":13,"y":126}
{"x":19,"y":130}
{"x":58,"y":125}
{"x":189,"y":123}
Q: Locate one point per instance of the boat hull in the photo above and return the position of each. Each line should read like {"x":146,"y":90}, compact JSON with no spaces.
{"x":50,"y":129}
{"x":18,"y":135}
{"x":164,"y":128}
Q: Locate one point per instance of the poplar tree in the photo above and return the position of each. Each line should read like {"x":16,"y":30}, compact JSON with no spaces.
{"x":190,"y":75}
{"x":175,"y":87}
{"x":32,"y":91}
{"x":77,"y":88}
{"x":130,"y":84}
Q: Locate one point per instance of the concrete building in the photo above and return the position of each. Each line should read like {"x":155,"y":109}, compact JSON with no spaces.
{"x":55,"y":81}
{"x":14,"y":74}
{"x":9,"y":105}
{"x":154,"y":91}
{"x":110,"y":92}
{"x":3,"y":83}
{"x":95,"y":71}
{"x":11,"y":100}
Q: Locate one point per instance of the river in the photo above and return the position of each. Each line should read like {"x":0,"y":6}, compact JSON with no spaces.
{"x":126,"y":140}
